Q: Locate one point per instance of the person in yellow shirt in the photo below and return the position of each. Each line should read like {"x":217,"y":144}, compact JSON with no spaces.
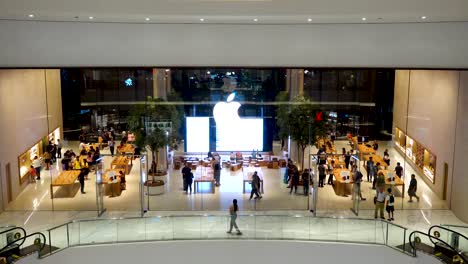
{"x":77,"y":164}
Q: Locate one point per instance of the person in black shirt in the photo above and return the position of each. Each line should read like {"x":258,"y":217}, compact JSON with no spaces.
{"x":347,"y":159}
{"x":322,"y":174}
{"x":185,"y":172}
{"x":81,"y":179}
{"x":294,"y":181}
{"x":305,"y":181}
{"x":399,"y":170}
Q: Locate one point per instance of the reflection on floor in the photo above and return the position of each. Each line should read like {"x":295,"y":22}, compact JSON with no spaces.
{"x":37,"y":195}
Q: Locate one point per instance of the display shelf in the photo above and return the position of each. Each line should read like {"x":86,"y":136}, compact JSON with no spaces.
{"x":420,"y":157}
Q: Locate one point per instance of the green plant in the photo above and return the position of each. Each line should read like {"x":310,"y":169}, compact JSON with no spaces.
{"x":143,"y":120}
{"x":296,"y":119}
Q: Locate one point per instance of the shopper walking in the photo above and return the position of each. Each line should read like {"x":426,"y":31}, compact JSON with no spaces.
{"x":233,"y":214}
{"x":330,"y":173}
{"x":47,"y":160}
{"x":255,"y":186}
{"x":37,"y":164}
{"x":386,"y":157}
{"x":294,"y":181}
{"x":413,"y":187}
{"x":347,"y":159}
{"x":185,"y":171}
{"x":379,"y":203}
{"x":390,"y":208}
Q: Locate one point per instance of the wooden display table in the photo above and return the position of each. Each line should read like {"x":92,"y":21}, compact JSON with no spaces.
{"x":338,"y":162}
{"x":365,"y":150}
{"x":126,"y":149}
{"x":236,"y":166}
{"x":112,"y":187}
{"x":248,"y":173}
{"x":283,"y":163}
{"x":398,"y":181}
{"x":121,"y":162}
{"x":65,"y":179}
{"x":340,"y":184}
{"x":376,"y":158}
{"x":203,"y":174}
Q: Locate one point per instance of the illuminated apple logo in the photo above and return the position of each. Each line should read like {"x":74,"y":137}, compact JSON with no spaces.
{"x":226,"y":112}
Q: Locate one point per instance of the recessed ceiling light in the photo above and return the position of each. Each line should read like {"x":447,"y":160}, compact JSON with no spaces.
{"x":91,"y":17}
{"x":147,"y":19}
{"x":202,"y":19}
{"x":423,"y":17}
{"x":310,"y":19}
{"x":255,"y":19}
{"x":208,"y":72}
{"x":364,"y":19}
{"x":31,"y":15}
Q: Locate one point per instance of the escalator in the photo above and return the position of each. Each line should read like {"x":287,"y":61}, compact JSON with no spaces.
{"x":447,"y":245}
{"x":15,"y":244}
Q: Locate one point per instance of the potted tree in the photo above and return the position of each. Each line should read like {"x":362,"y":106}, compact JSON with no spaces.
{"x":156,"y":124}
{"x":298,"y":121}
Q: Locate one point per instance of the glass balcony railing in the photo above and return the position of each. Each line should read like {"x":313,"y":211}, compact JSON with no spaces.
{"x":210,"y":227}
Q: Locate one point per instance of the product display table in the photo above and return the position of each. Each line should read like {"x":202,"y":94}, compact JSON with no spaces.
{"x":365,"y":150}
{"x":126,"y":149}
{"x":236,"y":166}
{"x":203,"y":174}
{"x":248,"y":173}
{"x":65,"y":179}
{"x":398,"y":181}
{"x":377,"y":159}
{"x":121,"y":162}
{"x":338,"y":161}
{"x":112,"y":186}
{"x":342,"y":185}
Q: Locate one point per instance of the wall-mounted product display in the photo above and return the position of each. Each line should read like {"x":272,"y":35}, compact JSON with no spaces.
{"x":25,"y":161}
{"x":420,"y":156}
{"x":54,"y":135}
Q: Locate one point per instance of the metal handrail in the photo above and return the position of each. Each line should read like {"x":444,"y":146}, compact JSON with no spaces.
{"x":447,"y":229}
{"x":13,"y":228}
{"x":23,"y":239}
{"x":413,"y":246}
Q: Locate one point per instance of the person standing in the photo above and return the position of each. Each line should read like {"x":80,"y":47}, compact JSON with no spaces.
{"x":189,"y":181}
{"x":330,"y":173}
{"x":233,"y":214}
{"x":370,"y":169}
{"x":375,"y":146}
{"x":255,"y":186}
{"x":59,"y":149}
{"x":379,"y":203}
{"x":32,"y":174}
{"x":111,"y":144}
{"x":81,"y":179}
{"x":216,"y":171}
{"x":386,"y":157}
{"x":380,"y":181}
{"x":185,"y":171}
{"x":294,"y":181}
{"x":347,"y":159}
{"x":305,"y":181}
{"x":357,"y":177}
{"x":390,"y":208}
{"x":47,"y":159}
{"x":413,"y":187}
{"x":399,"y":170}
{"x":37,"y":164}
{"x":322,"y":174}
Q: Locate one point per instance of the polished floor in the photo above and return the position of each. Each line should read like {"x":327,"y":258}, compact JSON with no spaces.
{"x":36,"y":196}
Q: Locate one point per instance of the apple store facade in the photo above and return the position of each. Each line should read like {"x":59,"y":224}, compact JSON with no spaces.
{"x":224,"y":124}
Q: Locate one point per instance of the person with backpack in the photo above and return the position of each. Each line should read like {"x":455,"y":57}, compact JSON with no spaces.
{"x":390,"y":204}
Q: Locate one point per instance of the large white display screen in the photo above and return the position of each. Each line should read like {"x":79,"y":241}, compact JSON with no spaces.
{"x":197,"y":134}
{"x":246,"y":134}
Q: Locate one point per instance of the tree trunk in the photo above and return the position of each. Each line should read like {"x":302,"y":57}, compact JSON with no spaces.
{"x":153,"y":162}
{"x":157,"y":160}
